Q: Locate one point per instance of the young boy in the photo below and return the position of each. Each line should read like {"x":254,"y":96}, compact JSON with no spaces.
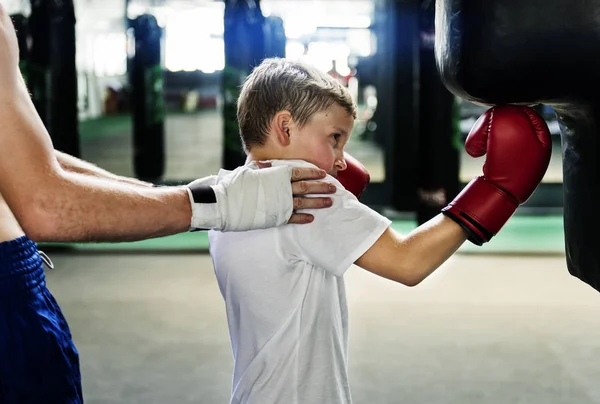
{"x":284,"y":287}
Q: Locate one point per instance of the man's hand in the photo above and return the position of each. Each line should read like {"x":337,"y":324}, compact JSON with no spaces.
{"x":251,"y":199}
{"x":302,"y":185}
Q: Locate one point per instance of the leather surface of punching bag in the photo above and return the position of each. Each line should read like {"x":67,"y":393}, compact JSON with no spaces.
{"x":145,"y":78}
{"x":51,"y":71}
{"x":275,"y":37}
{"x":529,"y":52}
{"x":438,"y":153}
{"x":245,"y":48}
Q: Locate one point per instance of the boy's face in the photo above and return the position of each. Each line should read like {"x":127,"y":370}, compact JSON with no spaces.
{"x":321,"y":141}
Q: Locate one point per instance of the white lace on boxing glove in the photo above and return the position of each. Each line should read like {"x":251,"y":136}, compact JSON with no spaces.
{"x":244,"y":199}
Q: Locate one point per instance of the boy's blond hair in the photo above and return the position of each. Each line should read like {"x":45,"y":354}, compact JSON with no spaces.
{"x":281,"y":84}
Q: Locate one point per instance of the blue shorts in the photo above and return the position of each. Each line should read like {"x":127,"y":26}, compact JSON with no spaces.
{"x":38,"y":360}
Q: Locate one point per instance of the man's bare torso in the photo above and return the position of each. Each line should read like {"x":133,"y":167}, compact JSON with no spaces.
{"x":9,"y":227}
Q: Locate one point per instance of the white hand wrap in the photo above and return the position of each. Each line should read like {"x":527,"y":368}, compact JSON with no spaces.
{"x":246,"y":199}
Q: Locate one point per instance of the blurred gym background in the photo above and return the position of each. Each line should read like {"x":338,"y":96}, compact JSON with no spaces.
{"x":147,"y":88}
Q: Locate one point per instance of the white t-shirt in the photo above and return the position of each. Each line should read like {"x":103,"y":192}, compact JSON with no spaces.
{"x":286,"y":302}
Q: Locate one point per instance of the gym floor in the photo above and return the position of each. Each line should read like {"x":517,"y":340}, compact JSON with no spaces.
{"x":151,"y":328}
{"x":504,"y":323}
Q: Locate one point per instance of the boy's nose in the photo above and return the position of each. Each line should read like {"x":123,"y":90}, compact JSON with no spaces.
{"x":340,"y":164}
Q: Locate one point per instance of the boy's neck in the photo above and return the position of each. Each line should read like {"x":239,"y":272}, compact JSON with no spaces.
{"x":261,"y":154}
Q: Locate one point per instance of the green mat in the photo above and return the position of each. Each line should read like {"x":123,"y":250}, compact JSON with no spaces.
{"x":109,"y":126}
{"x":104,"y":127}
{"x":521,"y":235}
{"x":525,"y":235}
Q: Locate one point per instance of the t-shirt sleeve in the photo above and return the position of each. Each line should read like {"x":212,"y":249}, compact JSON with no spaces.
{"x":340,"y":234}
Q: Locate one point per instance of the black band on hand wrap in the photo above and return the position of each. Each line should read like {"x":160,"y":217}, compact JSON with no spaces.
{"x":203,"y":194}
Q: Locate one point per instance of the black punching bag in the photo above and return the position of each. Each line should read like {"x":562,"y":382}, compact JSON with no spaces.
{"x":21,"y":25}
{"x":52,"y":74}
{"x":145,"y":79}
{"x":244,"y":36}
{"x":275,"y":39}
{"x":438,"y":159}
{"x":530,"y":52}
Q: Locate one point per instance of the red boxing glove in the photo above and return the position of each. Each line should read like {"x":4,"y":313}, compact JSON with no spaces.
{"x":518,"y":146}
{"x":355,"y":177}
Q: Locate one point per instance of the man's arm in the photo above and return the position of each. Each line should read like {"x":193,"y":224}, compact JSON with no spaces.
{"x":410,"y":259}
{"x":53,"y":204}
{"x":75,"y":165}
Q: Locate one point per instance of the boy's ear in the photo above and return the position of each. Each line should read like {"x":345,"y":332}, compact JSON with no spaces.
{"x":281,"y":127}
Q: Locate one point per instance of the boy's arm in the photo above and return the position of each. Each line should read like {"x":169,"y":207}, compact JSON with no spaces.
{"x":410,"y":259}
{"x":518,"y":147}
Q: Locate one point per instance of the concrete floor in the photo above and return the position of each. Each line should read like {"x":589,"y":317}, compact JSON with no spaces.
{"x":482,"y":329}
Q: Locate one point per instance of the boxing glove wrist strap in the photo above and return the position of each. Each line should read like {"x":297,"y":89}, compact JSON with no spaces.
{"x":481,"y":209}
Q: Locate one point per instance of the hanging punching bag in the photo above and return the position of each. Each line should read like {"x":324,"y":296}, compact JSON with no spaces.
{"x":438,"y":178}
{"x":275,"y":37}
{"x":145,"y":78}
{"x":52,"y":74}
{"x":532,"y":52}
{"x":244,"y":36}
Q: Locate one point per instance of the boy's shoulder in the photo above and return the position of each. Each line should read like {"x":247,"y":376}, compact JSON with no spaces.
{"x":254,"y":165}
{"x":293,"y":163}
{"x":281,"y":162}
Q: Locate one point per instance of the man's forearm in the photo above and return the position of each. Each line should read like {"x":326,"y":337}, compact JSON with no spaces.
{"x":75,"y":165}
{"x":53,"y":204}
{"x":84,"y":208}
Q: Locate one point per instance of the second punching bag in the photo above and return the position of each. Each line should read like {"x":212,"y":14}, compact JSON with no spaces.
{"x":244,"y":38}
{"x":51,"y":74}
{"x":438,"y":156}
{"x":275,"y":37}
{"x":145,"y":79}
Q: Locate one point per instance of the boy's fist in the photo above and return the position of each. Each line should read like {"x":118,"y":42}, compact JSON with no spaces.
{"x":518,"y":147}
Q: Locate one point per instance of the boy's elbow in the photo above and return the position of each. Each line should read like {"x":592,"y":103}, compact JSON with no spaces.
{"x":401,"y":276}
{"x":411,"y":281}
{"x":411,"y":275}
